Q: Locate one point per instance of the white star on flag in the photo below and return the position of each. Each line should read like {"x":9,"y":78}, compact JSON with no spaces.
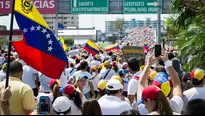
{"x":50,"y":42}
{"x":48,"y":35}
{"x":32,"y":28}
{"x":38,"y":28}
{"x":50,"y":48}
{"x":44,"y":31}
{"x":25,"y":30}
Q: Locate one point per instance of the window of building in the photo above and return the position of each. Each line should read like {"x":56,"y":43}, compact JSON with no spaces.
{"x":65,"y":22}
{"x":72,"y":18}
{"x":65,"y":17}
{"x":72,"y":22}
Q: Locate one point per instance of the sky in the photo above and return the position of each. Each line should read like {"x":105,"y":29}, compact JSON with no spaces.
{"x":89,"y":21}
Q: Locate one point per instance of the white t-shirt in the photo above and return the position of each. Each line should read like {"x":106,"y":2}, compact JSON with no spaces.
{"x":125,"y":81}
{"x":74,"y":109}
{"x":44,"y":83}
{"x":176,"y":103}
{"x":95,"y":82}
{"x":112,"y":105}
{"x":63,"y":80}
{"x":68,"y":71}
{"x":2,"y":75}
{"x":50,"y":95}
{"x":28,"y":76}
{"x":133,"y":84}
{"x":193,"y":93}
{"x":109,"y":75}
{"x":86,"y":89}
{"x":94,"y":63}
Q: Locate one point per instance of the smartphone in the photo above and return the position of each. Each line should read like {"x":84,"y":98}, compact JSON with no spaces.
{"x":125,"y":71}
{"x":44,"y":105}
{"x":158,"y":50}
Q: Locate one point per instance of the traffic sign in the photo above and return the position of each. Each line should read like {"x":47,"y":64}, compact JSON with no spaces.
{"x":89,"y":6}
{"x":140,"y":6}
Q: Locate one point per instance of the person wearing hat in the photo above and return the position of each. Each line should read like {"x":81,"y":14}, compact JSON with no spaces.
{"x":175,"y":100}
{"x":95,"y":61}
{"x":95,"y":78}
{"x":3,"y":72}
{"x":111,"y":103}
{"x":87,"y":88}
{"x":198,"y":91}
{"x":75,"y":98}
{"x":108,"y":72}
{"x":102,"y":88}
{"x":62,"y":106}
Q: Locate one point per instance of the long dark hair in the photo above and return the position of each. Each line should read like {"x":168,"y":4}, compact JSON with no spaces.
{"x":76,"y":99}
{"x":91,"y":107}
{"x":162,"y":105}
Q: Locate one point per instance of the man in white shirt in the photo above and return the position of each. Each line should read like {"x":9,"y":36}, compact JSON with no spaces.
{"x":198,"y":91}
{"x":134,"y":66}
{"x":31,"y":78}
{"x":111,"y":104}
{"x":107,"y":73}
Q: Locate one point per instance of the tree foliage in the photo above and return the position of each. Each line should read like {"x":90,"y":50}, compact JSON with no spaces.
{"x":188,"y":27}
{"x":69,"y":41}
{"x":118,"y":24}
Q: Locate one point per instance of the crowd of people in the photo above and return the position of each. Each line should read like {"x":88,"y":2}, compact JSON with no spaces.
{"x":104,"y":84}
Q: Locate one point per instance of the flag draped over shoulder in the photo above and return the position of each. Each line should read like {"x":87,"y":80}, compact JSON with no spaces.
{"x":91,"y":47}
{"x":112,"y":47}
{"x":38,"y":48}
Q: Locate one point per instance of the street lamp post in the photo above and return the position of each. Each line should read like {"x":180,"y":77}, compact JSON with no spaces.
{"x":159,"y":23}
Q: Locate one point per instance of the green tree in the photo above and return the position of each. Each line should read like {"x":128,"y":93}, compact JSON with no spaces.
{"x":189,"y":30}
{"x":118,"y":25}
{"x":69,"y":41}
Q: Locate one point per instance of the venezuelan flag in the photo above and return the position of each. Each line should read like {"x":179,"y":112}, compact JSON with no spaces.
{"x":112,"y":47}
{"x":62,"y":43}
{"x":146,"y":48}
{"x":91,"y":47}
{"x":39,"y":48}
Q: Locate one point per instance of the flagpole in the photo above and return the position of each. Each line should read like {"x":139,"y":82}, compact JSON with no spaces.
{"x":10,"y":43}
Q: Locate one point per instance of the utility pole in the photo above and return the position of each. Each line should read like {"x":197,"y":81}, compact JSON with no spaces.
{"x":159,"y":23}
{"x":56,"y":29}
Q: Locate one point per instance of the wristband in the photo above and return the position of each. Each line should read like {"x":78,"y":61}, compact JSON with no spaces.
{"x":5,"y":102}
{"x":168,"y":63}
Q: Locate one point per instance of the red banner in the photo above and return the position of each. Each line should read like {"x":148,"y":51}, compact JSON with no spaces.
{"x":43,"y":6}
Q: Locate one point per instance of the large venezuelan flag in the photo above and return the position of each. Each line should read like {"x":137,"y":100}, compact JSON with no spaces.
{"x":91,"y":47}
{"x":112,"y":47}
{"x":39,"y":48}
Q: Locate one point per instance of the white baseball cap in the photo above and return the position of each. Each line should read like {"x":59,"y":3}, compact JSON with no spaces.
{"x":61,"y":104}
{"x":113,"y":85}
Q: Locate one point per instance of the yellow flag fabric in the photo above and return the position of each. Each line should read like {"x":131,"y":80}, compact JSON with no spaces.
{"x":61,"y":39}
{"x":30,"y":12}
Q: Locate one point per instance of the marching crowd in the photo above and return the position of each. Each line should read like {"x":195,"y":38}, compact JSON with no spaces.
{"x":104,"y":84}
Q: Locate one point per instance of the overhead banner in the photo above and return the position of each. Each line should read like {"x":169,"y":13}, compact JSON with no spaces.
{"x":132,"y":51}
{"x":43,"y":6}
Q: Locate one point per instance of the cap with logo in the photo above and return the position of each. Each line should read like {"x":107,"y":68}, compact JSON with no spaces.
{"x":61,"y":104}
{"x":114,"y":85}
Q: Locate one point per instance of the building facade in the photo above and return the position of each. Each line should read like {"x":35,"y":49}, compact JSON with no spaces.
{"x":67,"y":20}
{"x":133,"y":24}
